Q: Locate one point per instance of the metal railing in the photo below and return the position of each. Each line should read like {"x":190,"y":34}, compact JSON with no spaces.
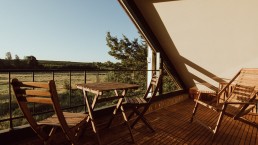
{"x":65,"y":80}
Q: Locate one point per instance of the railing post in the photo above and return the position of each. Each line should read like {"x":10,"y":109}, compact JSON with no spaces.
{"x":10,"y":103}
{"x":33,"y":76}
{"x":53,"y":75}
{"x":33,"y":79}
{"x":97,"y":77}
{"x":70,"y":87}
{"x":161,"y":80}
{"x":85,"y":79}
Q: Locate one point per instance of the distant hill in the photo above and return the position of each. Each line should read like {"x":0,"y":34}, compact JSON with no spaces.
{"x":67,"y":64}
{"x":47,"y":64}
{"x":62,"y":62}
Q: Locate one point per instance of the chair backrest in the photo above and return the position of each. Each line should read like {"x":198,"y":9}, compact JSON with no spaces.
{"x":40,"y":93}
{"x":246,"y":76}
{"x":240,"y":94}
{"x":153,"y":86}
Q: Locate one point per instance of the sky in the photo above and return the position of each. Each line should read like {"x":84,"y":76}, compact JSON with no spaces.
{"x":62,"y":30}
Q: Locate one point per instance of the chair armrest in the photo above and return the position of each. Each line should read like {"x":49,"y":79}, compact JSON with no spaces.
{"x":207,"y":96}
{"x":240,"y":103}
{"x":194,"y":92}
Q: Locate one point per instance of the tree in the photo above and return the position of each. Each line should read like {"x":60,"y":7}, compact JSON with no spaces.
{"x":132,"y":54}
{"x":2,"y":65}
{"x":32,"y":61}
{"x":8,"y":56}
{"x":17,"y":57}
{"x":17,"y":61}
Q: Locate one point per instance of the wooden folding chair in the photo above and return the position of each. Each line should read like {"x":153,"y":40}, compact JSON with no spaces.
{"x":72,"y":124}
{"x":239,"y":99}
{"x":140,"y":105}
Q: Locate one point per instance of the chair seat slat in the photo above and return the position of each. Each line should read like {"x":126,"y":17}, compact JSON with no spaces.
{"x":34,"y":84}
{"x":39,"y":100}
{"x":38,"y":93}
{"x":71,"y":118}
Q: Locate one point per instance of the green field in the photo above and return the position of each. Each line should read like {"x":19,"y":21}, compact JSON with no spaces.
{"x":62,"y":80}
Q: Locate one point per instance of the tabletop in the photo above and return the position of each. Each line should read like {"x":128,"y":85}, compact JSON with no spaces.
{"x":106,"y":86}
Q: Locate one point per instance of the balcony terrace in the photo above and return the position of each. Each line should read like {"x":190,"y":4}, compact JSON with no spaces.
{"x":207,"y":48}
{"x":169,"y":115}
{"x":172,"y":127}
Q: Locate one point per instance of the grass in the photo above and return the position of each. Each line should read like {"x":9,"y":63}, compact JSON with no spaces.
{"x":61,"y":79}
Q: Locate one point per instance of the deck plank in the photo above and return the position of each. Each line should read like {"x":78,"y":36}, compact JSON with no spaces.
{"x":172,"y":126}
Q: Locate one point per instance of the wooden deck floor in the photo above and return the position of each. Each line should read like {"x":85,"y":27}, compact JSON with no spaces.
{"x":172,"y":127}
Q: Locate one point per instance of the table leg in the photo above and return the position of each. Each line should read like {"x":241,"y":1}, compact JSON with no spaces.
{"x":126,"y":121}
{"x":117,"y":106}
{"x":120,"y":106}
{"x":90,"y":112}
{"x":114,"y":112}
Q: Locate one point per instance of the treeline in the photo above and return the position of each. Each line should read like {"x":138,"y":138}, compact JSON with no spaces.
{"x":31,"y":62}
{"x":48,"y":64}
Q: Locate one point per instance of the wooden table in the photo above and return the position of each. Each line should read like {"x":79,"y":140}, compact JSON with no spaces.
{"x":98,"y":89}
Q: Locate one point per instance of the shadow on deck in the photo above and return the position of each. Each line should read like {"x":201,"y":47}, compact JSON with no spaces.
{"x":172,"y":127}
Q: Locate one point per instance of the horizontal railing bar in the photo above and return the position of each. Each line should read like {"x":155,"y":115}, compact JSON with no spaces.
{"x":63,"y":70}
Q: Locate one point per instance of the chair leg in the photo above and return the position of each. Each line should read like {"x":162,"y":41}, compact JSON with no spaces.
{"x":95,"y":131}
{"x":145,"y":122}
{"x":110,"y":121}
{"x":131,"y":115}
{"x":48,"y":138}
{"x":137,"y":118}
{"x":79,"y":131}
{"x":194,"y":112}
{"x":215,"y":131}
{"x":114,"y":112}
{"x":140,"y":116}
{"x":126,"y":122}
